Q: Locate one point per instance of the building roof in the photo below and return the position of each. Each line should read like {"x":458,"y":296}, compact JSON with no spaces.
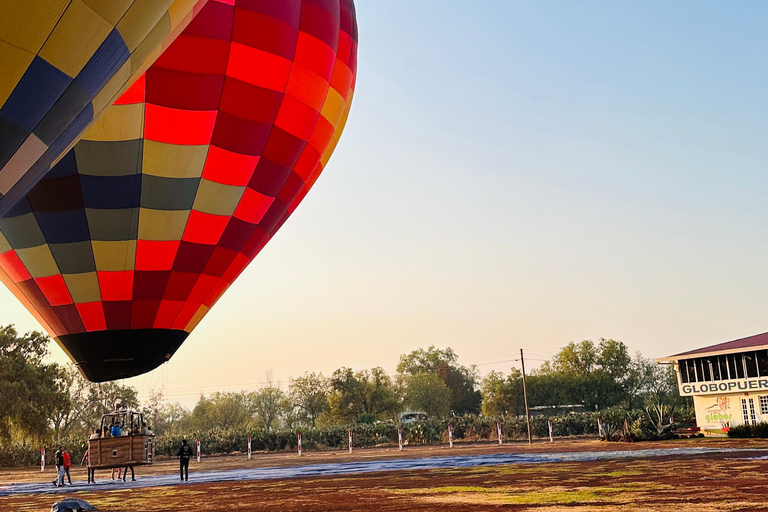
{"x":756,"y":342}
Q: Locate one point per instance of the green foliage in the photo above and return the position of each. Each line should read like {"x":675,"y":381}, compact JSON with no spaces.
{"x":503,"y":395}
{"x":45,"y":403}
{"x":309,"y":394}
{"x":603,"y":375}
{"x":594,"y":375}
{"x":662,"y":397}
{"x":29,"y":388}
{"x":461,"y":381}
{"x":369,"y":392}
{"x":759,"y":430}
{"x":163,"y":417}
{"x":86,"y":403}
{"x":366,"y":417}
{"x":470,"y":428}
{"x":428,"y":393}
{"x":268,"y":404}
{"x":222,"y":410}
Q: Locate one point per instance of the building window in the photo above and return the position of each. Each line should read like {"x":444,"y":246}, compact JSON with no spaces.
{"x":714,"y":369}
{"x":723,"y":362}
{"x":736,"y":366}
{"x":703,"y":368}
{"x":682,"y":365}
{"x":692,"y":370}
{"x":764,"y":405}
{"x":743,"y":365}
{"x":750,"y":364}
{"x":762,"y":362}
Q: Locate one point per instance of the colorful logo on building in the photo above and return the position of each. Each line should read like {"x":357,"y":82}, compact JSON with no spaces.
{"x":719,"y":410}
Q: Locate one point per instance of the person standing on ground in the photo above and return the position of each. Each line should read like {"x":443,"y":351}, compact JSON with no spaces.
{"x":58,"y":460}
{"x":66,"y":463}
{"x":95,"y":434}
{"x":185,"y":453}
{"x":125,"y":473}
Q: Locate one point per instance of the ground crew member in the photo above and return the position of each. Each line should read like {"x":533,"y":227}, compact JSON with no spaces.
{"x":185,"y":453}
{"x":67,"y":463}
{"x":58,"y":459}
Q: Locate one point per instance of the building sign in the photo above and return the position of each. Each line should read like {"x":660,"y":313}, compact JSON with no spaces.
{"x":726,"y":386}
{"x":713,"y":412}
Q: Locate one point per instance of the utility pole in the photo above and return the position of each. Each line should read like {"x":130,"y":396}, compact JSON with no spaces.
{"x":525,"y":398}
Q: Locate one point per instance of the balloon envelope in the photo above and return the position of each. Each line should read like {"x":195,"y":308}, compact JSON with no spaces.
{"x":127,"y":243}
{"x":62,"y":62}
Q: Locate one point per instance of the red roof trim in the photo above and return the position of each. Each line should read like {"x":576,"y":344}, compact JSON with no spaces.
{"x":758,"y":340}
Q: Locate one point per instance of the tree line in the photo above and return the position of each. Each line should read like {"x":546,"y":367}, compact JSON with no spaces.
{"x":43,"y":402}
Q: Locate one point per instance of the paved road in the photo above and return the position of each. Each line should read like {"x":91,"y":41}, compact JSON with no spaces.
{"x":356,"y":468}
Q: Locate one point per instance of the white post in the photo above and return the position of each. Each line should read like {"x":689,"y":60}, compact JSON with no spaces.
{"x":299,"y":444}
{"x":498,"y":429}
{"x":350,"y":440}
{"x":551,"y":438}
{"x":249,"y":447}
{"x":450,"y":435}
{"x":600,"y":427}
{"x":42,"y":459}
{"x":400,"y":437}
{"x":198,"y":450}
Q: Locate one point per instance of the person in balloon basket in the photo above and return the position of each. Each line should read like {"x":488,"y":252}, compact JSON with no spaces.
{"x":185,"y":453}
{"x":58,"y":460}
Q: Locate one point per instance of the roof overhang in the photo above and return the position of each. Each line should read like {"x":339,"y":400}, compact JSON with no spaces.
{"x":691,"y":355}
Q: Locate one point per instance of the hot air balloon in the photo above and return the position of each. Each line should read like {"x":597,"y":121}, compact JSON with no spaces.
{"x":128,"y":242}
{"x":62,"y":62}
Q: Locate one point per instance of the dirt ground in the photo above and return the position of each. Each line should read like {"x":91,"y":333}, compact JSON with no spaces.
{"x":700,"y":483}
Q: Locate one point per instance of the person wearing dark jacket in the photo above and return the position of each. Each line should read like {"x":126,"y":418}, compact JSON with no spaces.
{"x":58,"y":459}
{"x":125,"y":473}
{"x":185,"y":453}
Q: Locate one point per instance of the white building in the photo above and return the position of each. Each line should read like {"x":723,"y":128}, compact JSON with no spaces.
{"x":728,"y":382}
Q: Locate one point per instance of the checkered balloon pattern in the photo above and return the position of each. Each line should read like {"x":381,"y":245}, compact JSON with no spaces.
{"x":132,"y":237}
{"x":62,"y":62}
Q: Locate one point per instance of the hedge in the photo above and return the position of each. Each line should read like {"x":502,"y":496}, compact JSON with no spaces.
{"x":465,"y":428}
{"x":468,"y":428}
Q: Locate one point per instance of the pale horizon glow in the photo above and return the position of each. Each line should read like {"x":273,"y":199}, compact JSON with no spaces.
{"x":513,"y":174}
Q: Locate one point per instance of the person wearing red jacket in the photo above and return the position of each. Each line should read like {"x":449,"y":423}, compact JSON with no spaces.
{"x":67,"y":464}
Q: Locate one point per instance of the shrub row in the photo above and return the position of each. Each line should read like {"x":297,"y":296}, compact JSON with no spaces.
{"x":468,"y":428}
{"x":16,"y":454}
{"x":465,"y":428}
{"x":759,"y":430}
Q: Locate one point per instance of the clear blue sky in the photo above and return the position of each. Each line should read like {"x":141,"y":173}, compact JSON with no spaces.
{"x":516,"y":174}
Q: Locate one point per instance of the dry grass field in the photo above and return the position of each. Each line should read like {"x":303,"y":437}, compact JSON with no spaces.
{"x":685,"y":483}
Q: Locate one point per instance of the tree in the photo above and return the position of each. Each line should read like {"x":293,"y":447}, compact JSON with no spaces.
{"x":309,"y":394}
{"x":164,"y":417}
{"x":427,"y":392}
{"x":228,"y":411}
{"x":553,"y":390}
{"x":444,"y":362}
{"x":366,"y":394}
{"x":597,"y":376}
{"x":86,"y":403}
{"x":30,"y":390}
{"x":71,"y":419}
{"x":662,"y":396}
{"x":110,"y":396}
{"x":502,"y":394}
{"x":268,"y":403}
